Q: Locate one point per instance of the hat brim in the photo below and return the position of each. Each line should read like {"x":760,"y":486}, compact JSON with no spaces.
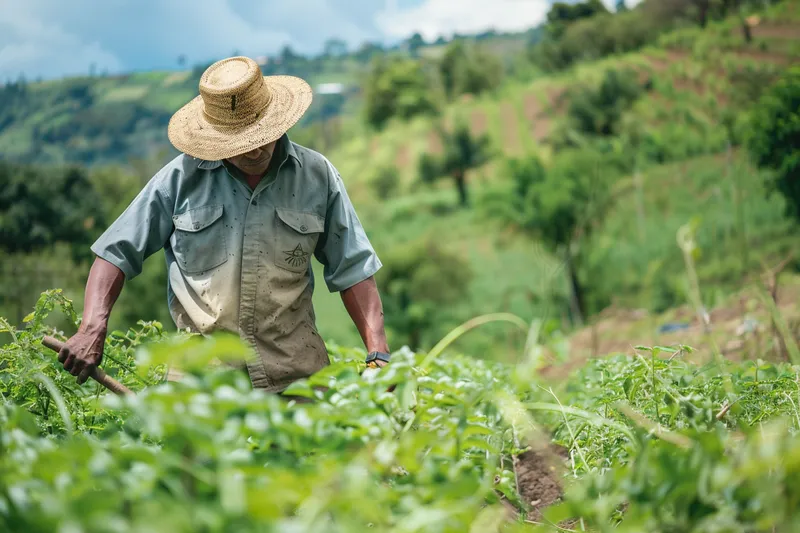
{"x":192,"y":134}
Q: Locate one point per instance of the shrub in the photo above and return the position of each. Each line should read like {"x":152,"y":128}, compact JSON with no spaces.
{"x":417,"y":281}
{"x":398,"y":87}
{"x":386,"y":181}
{"x":598,"y":110}
{"x":775,"y":137}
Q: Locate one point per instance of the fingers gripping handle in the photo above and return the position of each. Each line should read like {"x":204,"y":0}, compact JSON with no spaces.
{"x":97,"y":374}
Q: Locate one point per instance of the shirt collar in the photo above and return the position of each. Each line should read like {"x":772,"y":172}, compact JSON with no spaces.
{"x":284,"y":145}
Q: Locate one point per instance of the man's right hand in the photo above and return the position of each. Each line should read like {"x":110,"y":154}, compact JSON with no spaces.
{"x":83,"y":352}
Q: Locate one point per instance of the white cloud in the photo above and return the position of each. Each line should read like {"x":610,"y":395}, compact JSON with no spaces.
{"x":32,"y":47}
{"x":53,"y":38}
{"x":445,"y":17}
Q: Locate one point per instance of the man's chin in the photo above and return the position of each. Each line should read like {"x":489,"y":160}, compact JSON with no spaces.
{"x":253,"y":171}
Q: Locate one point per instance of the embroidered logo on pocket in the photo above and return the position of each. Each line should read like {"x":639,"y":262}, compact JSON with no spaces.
{"x":296,"y":257}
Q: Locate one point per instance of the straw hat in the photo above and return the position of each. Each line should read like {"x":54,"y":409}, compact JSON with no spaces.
{"x":238,"y":109}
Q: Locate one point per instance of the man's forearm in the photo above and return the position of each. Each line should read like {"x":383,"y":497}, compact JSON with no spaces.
{"x":363,"y":303}
{"x":102,"y":290}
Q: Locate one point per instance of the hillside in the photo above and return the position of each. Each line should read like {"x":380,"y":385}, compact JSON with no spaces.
{"x":103,"y":118}
{"x":698,"y":85}
{"x":117,"y":119}
{"x":698,"y":80}
{"x":591,"y":293}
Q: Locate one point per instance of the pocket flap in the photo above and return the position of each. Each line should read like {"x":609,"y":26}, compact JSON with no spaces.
{"x":198,"y":218}
{"x":301,"y":221}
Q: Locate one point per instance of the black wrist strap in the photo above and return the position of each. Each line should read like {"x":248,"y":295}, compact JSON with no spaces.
{"x":378,"y":355}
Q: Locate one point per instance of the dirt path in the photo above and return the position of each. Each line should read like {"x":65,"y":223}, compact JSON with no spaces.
{"x":539,"y":478}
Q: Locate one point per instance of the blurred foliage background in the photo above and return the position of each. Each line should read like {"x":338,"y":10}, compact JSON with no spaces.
{"x":543,"y":173}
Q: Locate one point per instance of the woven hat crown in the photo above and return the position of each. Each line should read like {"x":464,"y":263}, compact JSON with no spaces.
{"x":234,"y":93}
{"x":238,"y":109}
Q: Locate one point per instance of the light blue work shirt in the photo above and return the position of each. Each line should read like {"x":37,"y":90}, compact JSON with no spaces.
{"x":238,"y":259}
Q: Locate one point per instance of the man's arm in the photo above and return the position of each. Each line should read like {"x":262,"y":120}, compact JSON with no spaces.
{"x":140,"y":231}
{"x":350,"y":264}
{"x":363,"y":303}
{"x":84,"y":351}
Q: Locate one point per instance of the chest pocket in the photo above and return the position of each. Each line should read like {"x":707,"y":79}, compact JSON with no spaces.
{"x":296,"y":236}
{"x":199,"y":240}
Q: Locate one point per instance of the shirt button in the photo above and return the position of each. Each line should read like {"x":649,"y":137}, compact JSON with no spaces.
{"x":303,"y":228}
{"x":196,"y":225}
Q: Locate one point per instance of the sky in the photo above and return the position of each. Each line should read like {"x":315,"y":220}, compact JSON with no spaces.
{"x":55,"y":38}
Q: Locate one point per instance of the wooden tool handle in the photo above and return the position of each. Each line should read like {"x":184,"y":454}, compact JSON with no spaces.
{"x":97,"y":374}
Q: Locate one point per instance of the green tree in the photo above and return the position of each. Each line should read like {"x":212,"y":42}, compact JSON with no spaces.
{"x":40,"y":207}
{"x":368,"y":51}
{"x":48,"y":220}
{"x":774,"y":141}
{"x":397,"y":87}
{"x":562,"y":14}
{"x":462,"y":152}
{"x":598,"y":110}
{"x":561,"y":206}
{"x":419,"y":279}
{"x":335,"y":48}
{"x":414,"y":43}
{"x":703,"y":11}
{"x":468,"y":69}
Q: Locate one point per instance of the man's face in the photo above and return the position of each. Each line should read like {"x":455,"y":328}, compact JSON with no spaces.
{"x":256,"y":161}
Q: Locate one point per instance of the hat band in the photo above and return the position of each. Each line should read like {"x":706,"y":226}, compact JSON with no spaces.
{"x":236,"y":110}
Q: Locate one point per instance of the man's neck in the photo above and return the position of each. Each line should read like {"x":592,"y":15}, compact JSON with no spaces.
{"x":253,"y":179}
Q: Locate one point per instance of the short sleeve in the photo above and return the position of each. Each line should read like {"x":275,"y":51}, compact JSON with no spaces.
{"x":344,"y":249}
{"x":140,"y":231}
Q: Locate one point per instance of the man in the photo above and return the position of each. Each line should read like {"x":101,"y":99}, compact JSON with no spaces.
{"x":239,"y":215}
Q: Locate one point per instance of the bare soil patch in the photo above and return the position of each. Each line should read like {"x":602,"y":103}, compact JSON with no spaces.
{"x":531,"y":107}
{"x":741,"y":329}
{"x":541,"y":129}
{"x":687,"y":85}
{"x":510,"y":128}
{"x":535,"y":113}
{"x":374,"y":145}
{"x":478,"y":122}
{"x":661,"y":64}
{"x":775,"y":31}
{"x":766,"y":57}
{"x":555,"y":96}
{"x":403,"y":156}
{"x":539,"y":477}
{"x":435,"y":143}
